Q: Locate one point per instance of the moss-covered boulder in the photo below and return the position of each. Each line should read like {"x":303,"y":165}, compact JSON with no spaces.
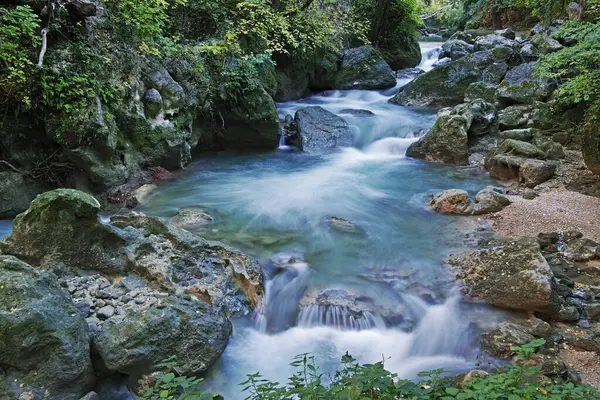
{"x":61,"y":230}
{"x":515,"y":116}
{"x":511,"y":274}
{"x":455,"y":49}
{"x":482,"y":90}
{"x":194,"y":331}
{"x":44,"y":347}
{"x":446,"y":85}
{"x":521,"y":86}
{"x":363,"y":68}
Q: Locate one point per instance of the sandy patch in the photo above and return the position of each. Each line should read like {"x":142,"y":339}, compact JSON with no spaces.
{"x":552,"y":211}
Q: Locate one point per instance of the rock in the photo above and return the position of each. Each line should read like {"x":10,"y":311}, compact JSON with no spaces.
{"x":455,"y":49}
{"x":446,"y":142}
{"x":591,"y":149}
{"x":446,"y":85}
{"x":518,"y":148}
{"x":141,"y":195}
{"x":528,"y":52}
{"x":321,"y":129}
{"x":521,"y":135}
{"x":553,"y":150}
{"x":84,"y":8}
{"x":544,"y":43}
{"x":489,"y":200}
{"x":400,"y":51}
{"x":45,"y":343}
{"x":530,"y":172}
{"x":515,"y":116}
{"x":358,"y":112}
{"x":534,"y":172}
{"x":453,"y":201}
{"x":153,"y":103}
{"x":499,"y":341}
{"x":507,"y":33}
{"x":466,"y":129}
{"x":409,"y":73}
{"x":91,"y":396}
{"x":493,"y":41}
{"x":574,"y":10}
{"x":79,"y":239}
{"x":581,"y":249}
{"x":343,"y":225}
{"x":529,"y":194}
{"x":520,"y":86}
{"x":105,"y":312}
{"x":567,"y":314}
{"x":512,"y":274}
{"x":191,"y":219}
{"x":193,"y":331}
{"x":482,"y":90}
{"x":16,"y":193}
{"x":363,"y":68}
{"x":469,"y":35}
{"x":592,"y":311}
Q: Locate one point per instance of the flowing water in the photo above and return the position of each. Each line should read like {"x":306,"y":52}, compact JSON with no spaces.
{"x":373,"y":286}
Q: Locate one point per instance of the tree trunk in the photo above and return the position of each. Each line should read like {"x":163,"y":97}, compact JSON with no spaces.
{"x":382,"y":8}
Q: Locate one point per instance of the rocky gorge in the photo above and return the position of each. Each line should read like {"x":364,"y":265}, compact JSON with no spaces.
{"x":394,"y":218}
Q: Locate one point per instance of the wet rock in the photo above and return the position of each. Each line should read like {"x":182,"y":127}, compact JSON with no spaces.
{"x":520,"y":86}
{"x":45,"y":341}
{"x":142,"y":194}
{"x":191,"y":219}
{"x":511,"y":274}
{"x":363,"y":68}
{"x":581,"y":249}
{"x":490,"y":200}
{"x":453,"y":201}
{"x":321,"y":129}
{"x":343,"y":225}
{"x":441,"y":61}
{"x":446,"y":85}
{"x":193,"y":331}
{"x":16,"y":193}
{"x":482,"y":90}
{"x":499,"y":341}
{"x":358,"y":112}
{"x":409,"y":73}
{"x":455,"y":49}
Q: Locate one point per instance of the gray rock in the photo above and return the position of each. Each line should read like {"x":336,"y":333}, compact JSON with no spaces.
{"x":489,"y":200}
{"x":193,"y":331}
{"x":91,"y":396}
{"x":153,"y":103}
{"x":482,"y":90}
{"x":45,"y":341}
{"x":409,"y":73}
{"x":453,"y":201}
{"x":592,"y":311}
{"x":455,"y":49}
{"x":493,"y":41}
{"x":528,"y":52}
{"x":16,"y":193}
{"x":172,"y":94}
{"x":321,"y":129}
{"x":105,"y":312}
{"x":507,"y":33}
{"x":511,"y":274}
{"x":520,"y":86}
{"x":363,"y":68}
{"x":499,"y":341}
{"x":515,"y":116}
{"x":544,"y":43}
{"x":83,"y":307}
{"x":567,"y":314}
{"x":534,"y":172}
{"x":343,"y":225}
{"x":523,"y":135}
{"x":191,"y":219}
{"x":358,"y":112}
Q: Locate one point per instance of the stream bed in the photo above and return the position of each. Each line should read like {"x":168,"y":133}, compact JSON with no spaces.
{"x":278,"y":203}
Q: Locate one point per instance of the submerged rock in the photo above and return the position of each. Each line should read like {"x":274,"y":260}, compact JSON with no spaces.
{"x":363,"y":68}
{"x":343,"y":225}
{"x":45,"y":345}
{"x":453,"y":201}
{"x":191,"y":219}
{"x":358,"y":112}
{"x":512,"y":274}
{"x":320,"y":129}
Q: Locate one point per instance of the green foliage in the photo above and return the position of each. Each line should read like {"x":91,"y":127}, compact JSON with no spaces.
{"x":170,"y":385}
{"x":372,"y":381}
{"x":18,"y":40}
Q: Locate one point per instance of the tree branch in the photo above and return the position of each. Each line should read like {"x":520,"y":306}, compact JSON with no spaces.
{"x":44,"y":46}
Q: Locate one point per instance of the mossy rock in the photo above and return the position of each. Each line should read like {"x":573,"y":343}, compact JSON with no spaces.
{"x":363,"y":68}
{"x":591,"y":148}
{"x":45,"y":344}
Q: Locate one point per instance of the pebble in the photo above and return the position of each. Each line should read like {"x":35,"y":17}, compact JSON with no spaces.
{"x":140,"y":300}
{"x":106,"y":312}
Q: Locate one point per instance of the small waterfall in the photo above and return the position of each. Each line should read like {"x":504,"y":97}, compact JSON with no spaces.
{"x":282,"y":145}
{"x":338,"y":317}
{"x":429,"y":57}
{"x":282,"y":295}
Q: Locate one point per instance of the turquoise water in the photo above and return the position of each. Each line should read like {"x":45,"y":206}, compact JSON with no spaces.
{"x":273,"y":202}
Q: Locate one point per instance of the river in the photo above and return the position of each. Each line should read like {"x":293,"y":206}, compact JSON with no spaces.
{"x":277,"y":203}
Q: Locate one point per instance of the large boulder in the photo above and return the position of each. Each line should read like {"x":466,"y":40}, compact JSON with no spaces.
{"x":455,"y":49}
{"x":510,"y":274}
{"x":399,"y":50}
{"x":363,"y":68}
{"x":192,"y":330}
{"x":490,"y":200}
{"x":457,"y":133}
{"x":446,"y":85}
{"x":515,"y":116}
{"x":529,"y":172}
{"x":489,"y":42}
{"x":321,"y":129}
{"x":61,"y":231}
{"x":521,"y":86}
{"x":45,"y":346}
{"x":544,"y":43}
{"x":591,"y":149}
{"x":61,"y":228}
{"x":16,"y":192}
